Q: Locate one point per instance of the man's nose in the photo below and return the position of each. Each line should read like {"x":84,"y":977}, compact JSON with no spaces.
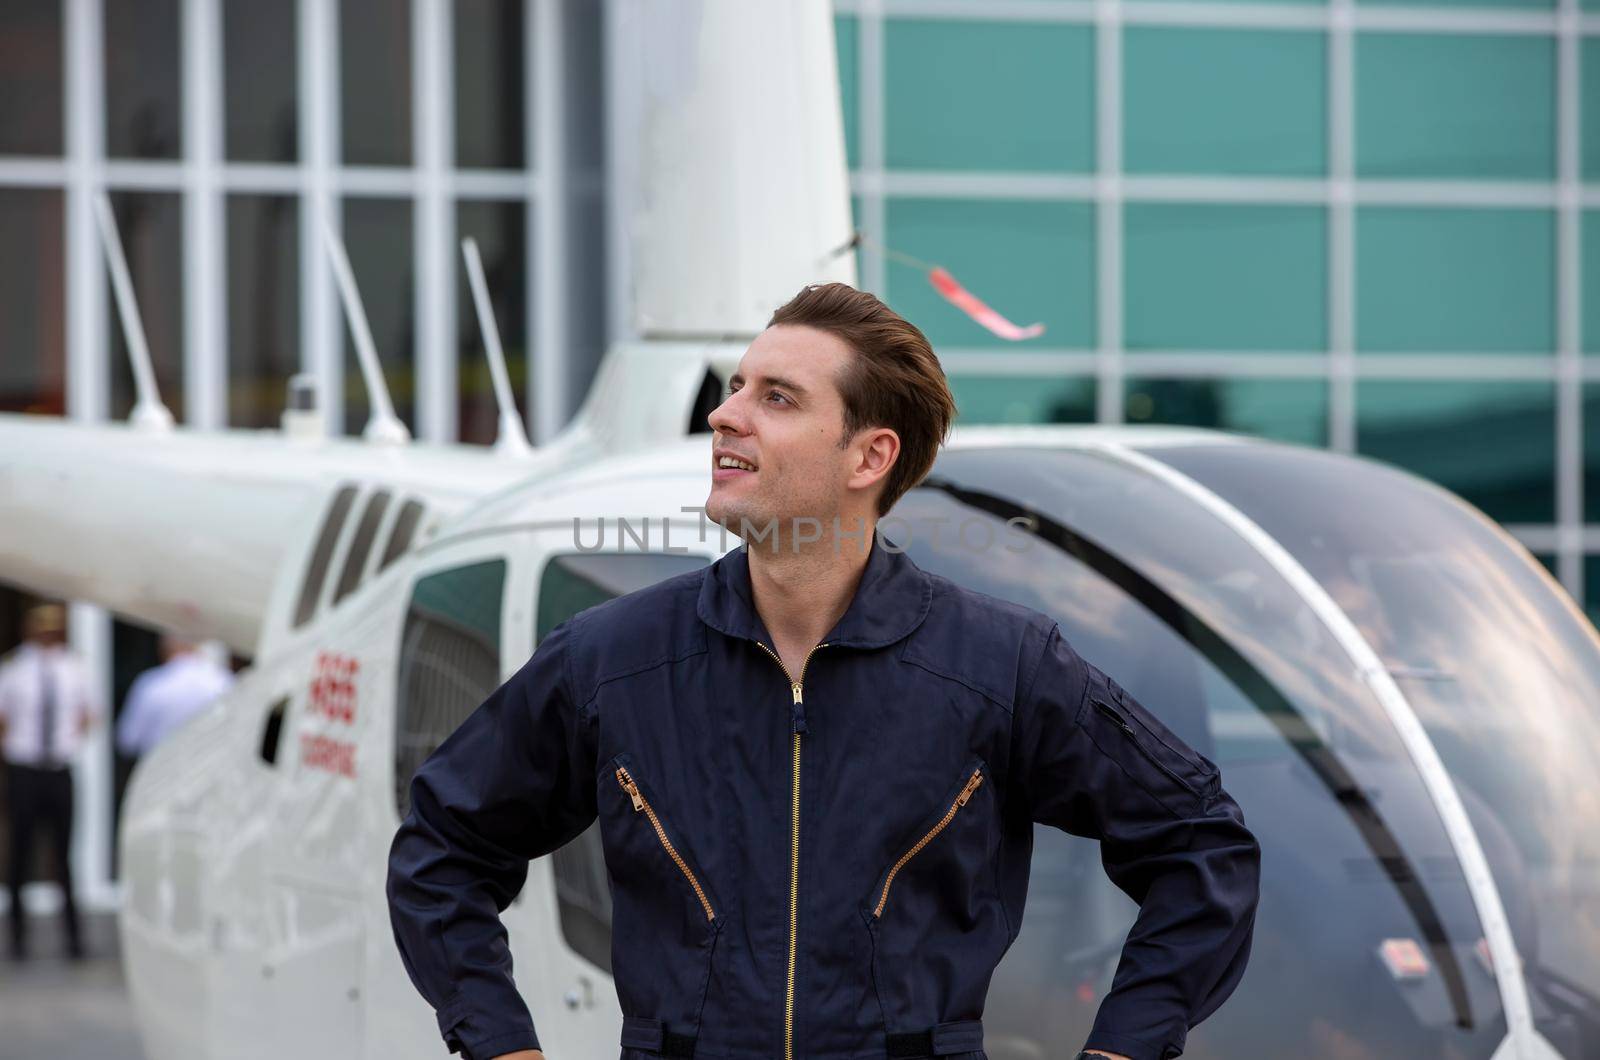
{"x":727,"y":418}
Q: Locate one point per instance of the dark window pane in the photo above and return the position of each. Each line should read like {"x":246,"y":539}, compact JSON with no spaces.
{"x":570,"y":583}
{"x":258,"y":77}
{"x":32,"y":271}
{"x":499,"y":228}
{"x":1591,"y":452}
{"x":1591,"y":588}
{"x":377,"y":236}
{"x":135,"y":648}
{"x":449,"y":662}
{"x":375,"y":81}
{"x":272,"y":731}
{"x":317,"y":568}
{"x":151,"y":226}
{"x":1492,"y":442}
{"x":1288,"y":410}
{"x":405,"y":528}
{"x":355,"y":562}
{"x":489,"y":94}
{"x":143,"y":64}
{"x":30,"y":77}
{"x":263,"y":306}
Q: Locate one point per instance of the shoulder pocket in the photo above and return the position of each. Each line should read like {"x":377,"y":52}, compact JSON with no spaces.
{"x":1184,"y":777}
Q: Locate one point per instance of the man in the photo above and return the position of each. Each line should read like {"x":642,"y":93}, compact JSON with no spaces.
{"x":164,"y":697}
{"x":46,"y":709}
{"x":817,"y":767}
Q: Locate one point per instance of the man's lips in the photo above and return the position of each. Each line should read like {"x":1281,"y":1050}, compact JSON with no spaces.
{"x":722,"y":474}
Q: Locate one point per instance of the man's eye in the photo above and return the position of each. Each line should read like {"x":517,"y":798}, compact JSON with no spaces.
{"x":775,"y":394}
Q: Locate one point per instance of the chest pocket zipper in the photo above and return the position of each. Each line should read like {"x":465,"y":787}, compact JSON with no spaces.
{"x":960,"y":800}
{"x":1133,"y":738}
{"x":630,"y":787}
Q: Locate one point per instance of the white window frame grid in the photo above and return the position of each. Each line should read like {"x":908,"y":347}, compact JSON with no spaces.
{"x":203,"y":178}
{"x":1569,"y":539}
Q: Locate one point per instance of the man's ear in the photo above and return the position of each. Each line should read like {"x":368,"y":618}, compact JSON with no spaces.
{"x":878,"y":449}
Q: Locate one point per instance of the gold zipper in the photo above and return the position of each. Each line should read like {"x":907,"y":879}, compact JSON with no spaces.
{"x":625,"y":779}
{"x":961,"y":800}
{"x":794,"y":855}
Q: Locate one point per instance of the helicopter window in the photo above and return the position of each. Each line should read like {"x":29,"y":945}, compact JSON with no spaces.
{"x":1148,"y":584}
{"x":405,"y":528}
{"x":366,"y":531}
{"x":1500,"y":667}
{"x":272,"y":730}
{"x":317,"y":569}
{"x":574,"y":581}
{"x":449,"y":661}
{"x":571,"y":583}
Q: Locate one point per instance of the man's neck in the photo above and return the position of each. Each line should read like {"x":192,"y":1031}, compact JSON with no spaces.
{"x":801,"y":594}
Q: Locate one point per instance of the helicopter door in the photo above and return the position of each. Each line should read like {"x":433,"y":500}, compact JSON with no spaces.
{"x":568,"y":887}
{"x":460,"y":633}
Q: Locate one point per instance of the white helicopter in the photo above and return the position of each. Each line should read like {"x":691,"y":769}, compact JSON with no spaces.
{"x":1366,"y":686}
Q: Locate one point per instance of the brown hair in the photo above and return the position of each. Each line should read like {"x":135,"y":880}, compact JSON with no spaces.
{"x":894,"y":380}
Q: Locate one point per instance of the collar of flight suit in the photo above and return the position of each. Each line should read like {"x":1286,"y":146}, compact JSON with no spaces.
{"x":890,"y":601}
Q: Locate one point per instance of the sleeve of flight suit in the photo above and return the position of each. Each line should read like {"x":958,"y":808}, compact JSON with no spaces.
{"x":1092,"y":761}
{"x":513,"y":783}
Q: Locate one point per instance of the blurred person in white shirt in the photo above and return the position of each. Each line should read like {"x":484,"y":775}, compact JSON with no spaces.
{"x":164,"y":697}
{"x":48,"y":706}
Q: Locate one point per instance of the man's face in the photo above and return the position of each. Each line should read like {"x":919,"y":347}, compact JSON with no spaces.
{"x":784,"y":415}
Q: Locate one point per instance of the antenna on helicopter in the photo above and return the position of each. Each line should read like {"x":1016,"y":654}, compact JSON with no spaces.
{"x":512,"y":438}
{"x":383,"y":425}
{"x":148,"y":411}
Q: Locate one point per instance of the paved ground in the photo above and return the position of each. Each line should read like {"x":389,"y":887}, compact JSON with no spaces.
{"x":54,"y":1008}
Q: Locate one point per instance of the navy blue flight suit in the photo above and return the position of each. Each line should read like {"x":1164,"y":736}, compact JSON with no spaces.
{"x":827,"y":864}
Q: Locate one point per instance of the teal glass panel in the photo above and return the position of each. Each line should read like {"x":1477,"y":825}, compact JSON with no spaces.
{"x":1029,"y":261}
{"x":855,"y":226}
{"x":1225,"y":277}
{"x":1493,"y":442}
{"x":1273,"y":2}
{"x":1548,"y":559}
{"x":1589,"y":110}
{"x":1544,"y":5}
{"x":1473,"y":105}
{"x":1455,"y":279}
{"x":1224,"y":101}
{"x":1285,"y":410}
{"x":1023,"y":399}
{"x":963,"y":94}
{"x":1590,"y":288}
{"x":846,"y":40}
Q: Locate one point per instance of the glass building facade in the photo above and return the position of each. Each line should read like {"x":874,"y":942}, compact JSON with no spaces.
{"x":1350,"y":225}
